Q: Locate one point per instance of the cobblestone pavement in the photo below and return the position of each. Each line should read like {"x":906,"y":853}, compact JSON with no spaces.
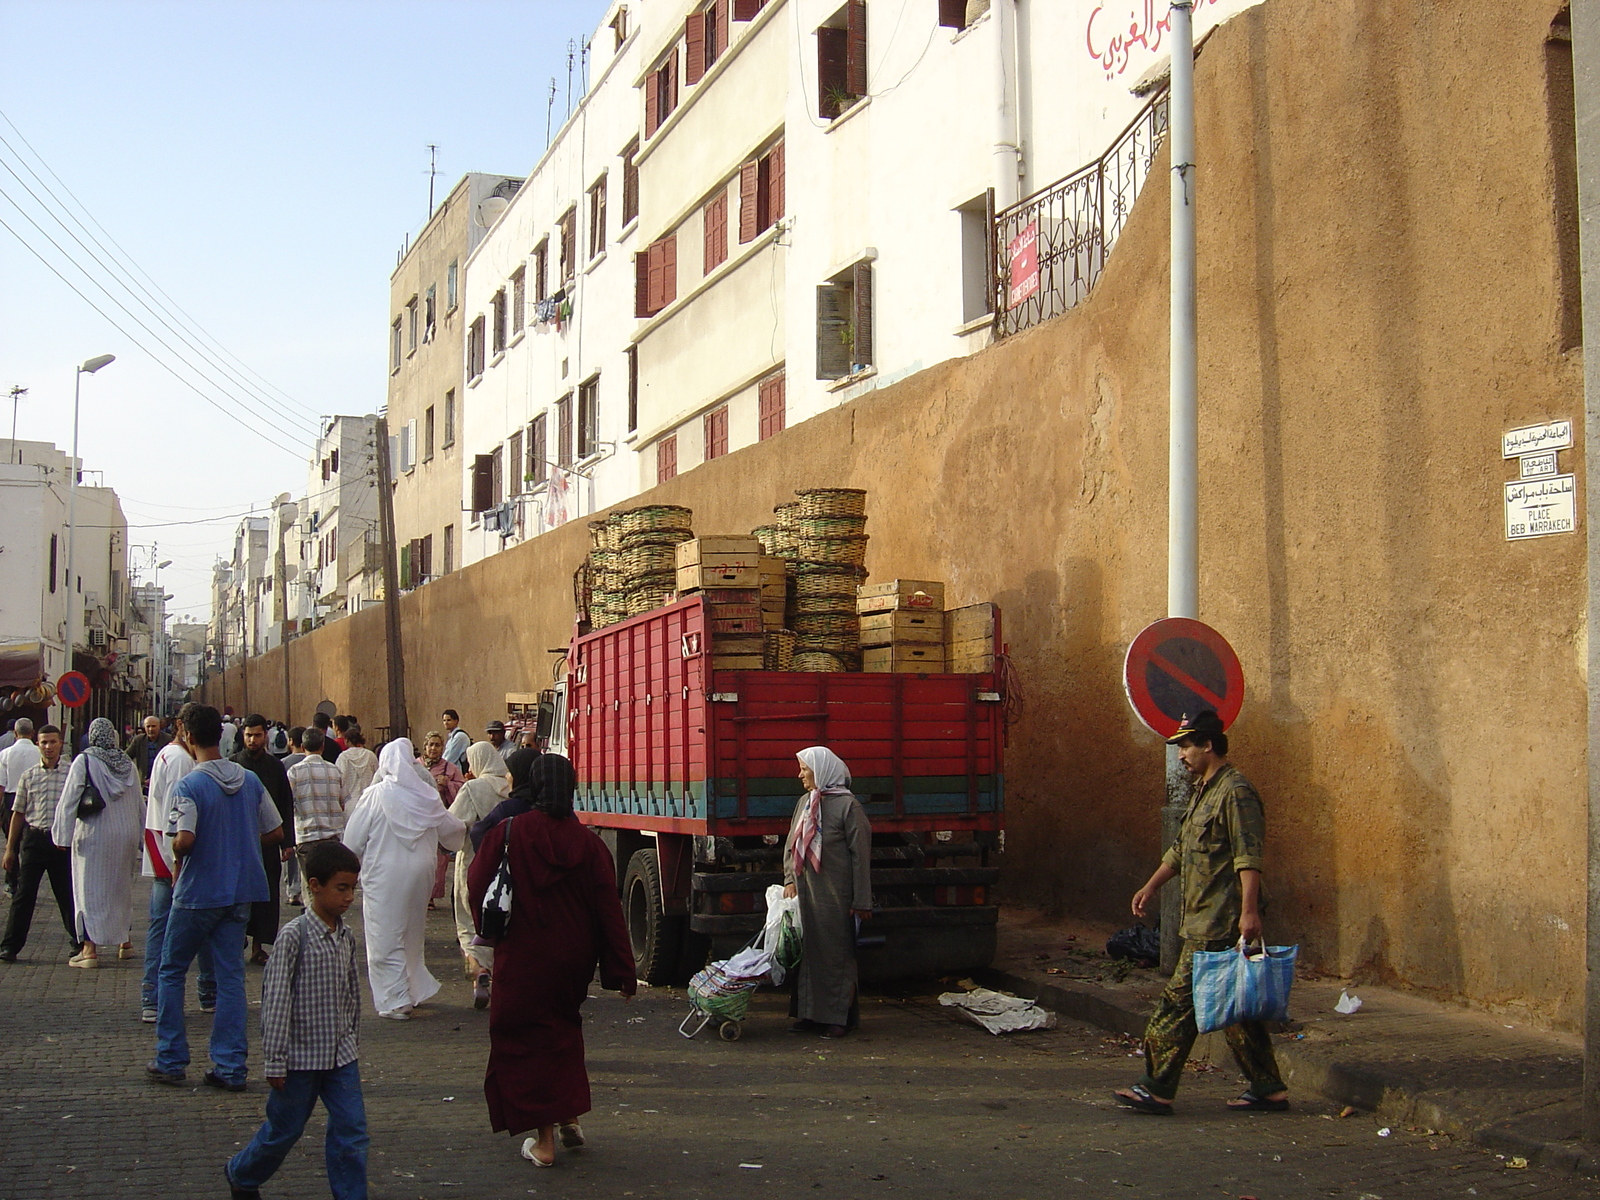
{"x":915,"y":1104}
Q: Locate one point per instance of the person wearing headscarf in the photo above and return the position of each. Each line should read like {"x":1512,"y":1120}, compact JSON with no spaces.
{"x":488,"y":783}
{"x":447,"y":776}
{"x":397,"y":829}
{"x":827,"y":863}
{"x":566,"y":918}
{"x":105,"y":845}
{"x":519,"y":800}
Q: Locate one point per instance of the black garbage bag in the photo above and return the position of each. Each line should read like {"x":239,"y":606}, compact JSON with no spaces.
{"x":1137,"y":944}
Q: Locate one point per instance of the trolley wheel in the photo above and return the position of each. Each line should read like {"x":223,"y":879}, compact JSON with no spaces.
{"x":729,"y":1031}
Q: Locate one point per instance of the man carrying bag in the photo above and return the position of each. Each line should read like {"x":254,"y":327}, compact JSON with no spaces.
{"x":1218,"y":857}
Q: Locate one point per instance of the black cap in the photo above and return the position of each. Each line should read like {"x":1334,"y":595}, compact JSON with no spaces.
{"x":1204,"y":725}
{"x":495,"y":727}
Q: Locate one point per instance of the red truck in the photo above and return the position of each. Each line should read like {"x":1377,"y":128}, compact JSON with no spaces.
{"x":689,"y":775}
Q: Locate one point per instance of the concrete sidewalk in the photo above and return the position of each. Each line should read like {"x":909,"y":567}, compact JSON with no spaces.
{"x":1411,"y":1061}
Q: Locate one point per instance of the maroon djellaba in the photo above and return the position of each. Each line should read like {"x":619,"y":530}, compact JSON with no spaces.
{"x":566,"y":917}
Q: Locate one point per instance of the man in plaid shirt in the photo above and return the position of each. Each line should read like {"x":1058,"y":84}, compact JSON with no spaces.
{"x":319,"y":798}
{"x":310,"y":1007}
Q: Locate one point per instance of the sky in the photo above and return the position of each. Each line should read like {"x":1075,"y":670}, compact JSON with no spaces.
{"x":261,"y":164}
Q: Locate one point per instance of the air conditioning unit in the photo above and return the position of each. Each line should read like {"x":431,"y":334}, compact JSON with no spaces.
{"x":97,"y":638}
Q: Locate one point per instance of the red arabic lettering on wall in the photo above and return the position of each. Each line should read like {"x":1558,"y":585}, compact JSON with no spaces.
{"x":1144,"y":30}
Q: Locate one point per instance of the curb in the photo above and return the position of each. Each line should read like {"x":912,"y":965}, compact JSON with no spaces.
{"x":1355,"y":1086}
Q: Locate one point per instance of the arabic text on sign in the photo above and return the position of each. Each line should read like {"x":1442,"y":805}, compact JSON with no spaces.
{"x":1145,"y":31}
{"x":1024,"y":255}
{"x":1552,"y":435}
{"x":1536,"y":466}
{"x":1540,"y":507}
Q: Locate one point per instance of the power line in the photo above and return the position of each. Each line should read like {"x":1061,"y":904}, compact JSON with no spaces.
{"x":158,"y":361}
{"x":83,"y":208}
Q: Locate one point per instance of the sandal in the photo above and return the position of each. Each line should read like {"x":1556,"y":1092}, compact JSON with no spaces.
{"x":571,"y":1135}
{"x":1250,"y":1102}
{"x":480,"y":992}
{"x":1139,"y":1098}
{"x":528,"y":1152}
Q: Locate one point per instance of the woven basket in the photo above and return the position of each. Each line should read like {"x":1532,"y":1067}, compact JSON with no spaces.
{"x":831,"y":502}
{"x":654,"y":537}
{"x":655,"y":516}
{"x":817,"y":660}
{"x":768,"y":536}
{"x":832,"y":527}
{"x":832,"y":583}
{"x":786,"y":514}
{"x":831,"y":643}
{"x":642,"y":600}
{"x":650,"y":559}
{"x":839,"y":625}
{"x":845,"y":551}
{"x":779,"y":654}
{"x":823,"y":606}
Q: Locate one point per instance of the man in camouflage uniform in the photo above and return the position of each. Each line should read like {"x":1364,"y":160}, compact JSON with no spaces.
{"x":1218,"y":858}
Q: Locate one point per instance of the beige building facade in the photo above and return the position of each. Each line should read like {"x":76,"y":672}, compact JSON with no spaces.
{"x":426,"y":363}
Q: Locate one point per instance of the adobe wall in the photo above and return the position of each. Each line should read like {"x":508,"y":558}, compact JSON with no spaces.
{"x":1379,"y":302}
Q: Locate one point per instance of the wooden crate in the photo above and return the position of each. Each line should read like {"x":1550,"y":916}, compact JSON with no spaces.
{"x":716,"y":596}
{"x":903,"y":658}
{"x":736,"y":662}
{"x":708,"y":576}
{"x":747,"y":550}
{"x":901,"y":627}
{"x":729,"y":612}
{"x":722,"y":625}
{"x":744,"y":642}
{"x":969,"y":639}
{"x":900,"y":595}
{"x":774,"y":571}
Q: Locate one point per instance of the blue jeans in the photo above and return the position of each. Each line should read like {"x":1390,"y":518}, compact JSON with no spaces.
{"x":155,"y":938}
{"x":221,"y":930}
{"x":345,"y":1148}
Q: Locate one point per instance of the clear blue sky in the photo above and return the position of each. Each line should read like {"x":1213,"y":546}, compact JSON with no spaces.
{"x":263,"y":162}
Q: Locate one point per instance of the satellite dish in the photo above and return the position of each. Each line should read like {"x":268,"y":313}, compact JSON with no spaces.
{"x":291,"y":572}
{"x":489,"y":210}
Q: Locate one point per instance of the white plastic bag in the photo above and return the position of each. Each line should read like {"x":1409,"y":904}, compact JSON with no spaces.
{"x":777,"y":906}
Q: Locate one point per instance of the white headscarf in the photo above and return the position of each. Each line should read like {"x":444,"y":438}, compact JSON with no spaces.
{"x":405,"y":791}
{"x":832,"y":777}
{"x":485,"y":763}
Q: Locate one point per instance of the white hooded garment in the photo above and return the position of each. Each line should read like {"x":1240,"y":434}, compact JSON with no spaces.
{"x":397,"y":829}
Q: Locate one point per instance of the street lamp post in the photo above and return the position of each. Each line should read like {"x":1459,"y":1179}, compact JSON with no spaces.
{"x":73,"y":606}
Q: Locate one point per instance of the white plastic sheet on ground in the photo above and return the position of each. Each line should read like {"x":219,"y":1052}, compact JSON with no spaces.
{"x":998,"y":1012}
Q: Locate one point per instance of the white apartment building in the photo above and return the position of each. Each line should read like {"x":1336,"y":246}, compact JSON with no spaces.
{"x":338,"y":519}
{"x":763,"y":209}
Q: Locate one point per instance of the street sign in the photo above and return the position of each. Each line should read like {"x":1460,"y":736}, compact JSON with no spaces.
{"x":73,"y":688}
{"x":1537,"y":507}
{"x":1178,"y":667}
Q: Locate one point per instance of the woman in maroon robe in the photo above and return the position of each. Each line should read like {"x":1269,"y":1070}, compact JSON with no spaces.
{"x":566,"y":916}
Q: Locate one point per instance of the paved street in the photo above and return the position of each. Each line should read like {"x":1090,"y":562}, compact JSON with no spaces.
{"x":917,"y":1104}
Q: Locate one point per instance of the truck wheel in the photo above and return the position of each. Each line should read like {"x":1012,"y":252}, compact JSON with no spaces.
{"x":656,"y":937}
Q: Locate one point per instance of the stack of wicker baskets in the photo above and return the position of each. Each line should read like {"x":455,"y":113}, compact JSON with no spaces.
{"x":828,"y":531}
{"x":608,"y":601}
{"x":647,"y":550}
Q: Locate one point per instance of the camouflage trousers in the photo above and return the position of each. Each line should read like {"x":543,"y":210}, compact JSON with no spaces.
{"x":1170,"y":1035}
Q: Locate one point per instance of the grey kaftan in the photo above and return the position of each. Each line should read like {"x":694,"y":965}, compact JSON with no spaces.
{"x":825,"y":984}
{"x":105,"y":850}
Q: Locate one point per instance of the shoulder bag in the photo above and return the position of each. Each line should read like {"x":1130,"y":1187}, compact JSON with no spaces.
{"x":90,"y":802}
{"x":495,"y":915}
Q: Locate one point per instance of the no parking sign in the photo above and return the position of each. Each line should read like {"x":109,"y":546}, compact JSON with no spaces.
{"x":1178,"y":667}
{"x":73,"y":688}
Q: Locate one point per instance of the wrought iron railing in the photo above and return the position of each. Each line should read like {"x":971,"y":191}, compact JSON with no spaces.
{"x":1072,"y":226}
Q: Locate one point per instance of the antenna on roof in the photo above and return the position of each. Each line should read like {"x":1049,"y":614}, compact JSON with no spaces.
{"x":572,"y":48}
{"x":549,"y":109}
{"x":433,"y":169}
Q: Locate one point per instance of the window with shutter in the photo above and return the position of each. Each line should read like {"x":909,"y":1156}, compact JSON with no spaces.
{"x":670,"y":90}
{"x":652,"y":103}
{"x":589,"y":417}
{"x":832,"y":96}
{"x":519,"y":298}
{"x":427,"y":434}
{"x":773,"y":410}
{"x":541,"y":270}
{"x":597,"y":217}
{"x":630,"y":182}
{"x":856,"y":52}
{"x":746,"y":10}
{"x":953,"y":14}
{"x":749,"y":187}
{"x":538,"y":451}
{"x":775,"y":195}
{"x":717,"y":46}
{"x":833,"y":331}
{"x":497,"y":477}
{"x":394,"y":347}
{"x":666,"y":459}
{"x":632,"y":354}
{"x":405,"y":564}
{"x":564,"y":430}
{"x":715,"y":219}
{"x":669,"y":269}
{"x":475,"y":355}
{"x":449,"y":549}
{"x":716,"y":432}
{"x":641,"y":284}
{"x":427,"y":557}
{"x":694,"y":47}
{"x":514,"y":465}
{"x":450,"y":418}
{"x":482,"y":482}
{"x":499,"y":309}
{"x":861,"y":315}
{"x":569,"y":245}
{"x":657,"y":285}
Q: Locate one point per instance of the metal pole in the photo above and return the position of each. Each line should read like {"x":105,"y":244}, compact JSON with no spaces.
{"x":1183,"y":422}
{"x":72,"y":524}
{"x":399,"y":723}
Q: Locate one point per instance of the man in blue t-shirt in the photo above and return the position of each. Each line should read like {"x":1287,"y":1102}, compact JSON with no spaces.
{"x":221,"y":818}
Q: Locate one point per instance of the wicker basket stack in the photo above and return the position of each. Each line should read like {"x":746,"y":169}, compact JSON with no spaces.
{"x":608,"y":602}
{"x":647,"y":546}
{"x":827,"y":529}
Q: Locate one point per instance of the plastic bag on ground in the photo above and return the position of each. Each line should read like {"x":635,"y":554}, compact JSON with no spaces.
{"x":998,"y":1012}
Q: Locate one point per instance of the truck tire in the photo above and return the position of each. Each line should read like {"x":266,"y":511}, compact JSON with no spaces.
{"x":656,"y":937}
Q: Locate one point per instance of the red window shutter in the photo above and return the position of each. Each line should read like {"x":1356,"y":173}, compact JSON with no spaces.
{"x":716,"y":239}
{"x":856,"y":53}
{"x":694,"y":47}
{"x":716,"y":431}
{"x":953,"y":13}
{"x":719,"y":10}
{"x":656,"y":288}
{"x":641,"y":284}
{"x":749,"y":185}
{"x":775,"y":183}
{"x":746,"y":10}
{"x":671,"y":68}
{"x":770,"y":400}
{"x":831,"y":73}
{"x":482,"y":482}
{"x":669,"y":269}
{"x":652,"y":103}
{"x":666,"y":459}
{"x":861,"y":278}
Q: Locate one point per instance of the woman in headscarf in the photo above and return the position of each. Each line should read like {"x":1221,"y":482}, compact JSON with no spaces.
{"x":448,"y":779}
{"x":398,"y":828}
{"x":104,"y":845}
{"x":488,"y":783}
{"x":566,"y":917}
{"x":827,"y":862}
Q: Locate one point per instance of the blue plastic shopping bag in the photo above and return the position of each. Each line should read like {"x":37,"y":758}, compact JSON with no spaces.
{"x":1242,"y":984}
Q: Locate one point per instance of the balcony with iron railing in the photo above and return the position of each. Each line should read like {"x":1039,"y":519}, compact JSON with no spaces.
{"x":1050,"y":247}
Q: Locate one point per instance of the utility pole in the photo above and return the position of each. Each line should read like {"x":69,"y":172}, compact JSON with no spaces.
{"x":17,"y":393}
{"x":399,"y":723}
{"x":433,"y":170}
{"x":549,"y":111}
{"x":1183,"y":423}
